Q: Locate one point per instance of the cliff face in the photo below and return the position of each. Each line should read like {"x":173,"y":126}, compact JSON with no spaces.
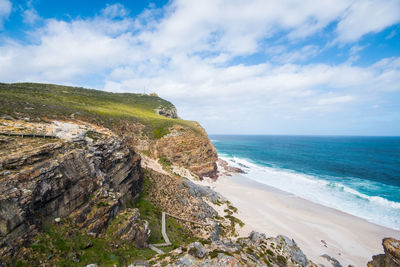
{"x":149,"y":123}
{"x":88,"y":181}
{"x":184,"y":146}
{"x":190,"y":149}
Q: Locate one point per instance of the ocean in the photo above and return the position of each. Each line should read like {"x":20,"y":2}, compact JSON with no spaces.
{"x":356,"y":175}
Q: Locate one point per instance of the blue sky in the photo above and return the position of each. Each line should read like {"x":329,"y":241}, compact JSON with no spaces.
{"x":327,"y":67}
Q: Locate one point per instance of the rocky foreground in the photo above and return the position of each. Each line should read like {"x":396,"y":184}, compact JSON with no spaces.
{"x":75,"y":178}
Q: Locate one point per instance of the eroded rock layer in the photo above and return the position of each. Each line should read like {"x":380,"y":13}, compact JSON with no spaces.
{"x":184,"y":146}
{"x":88,"y":181}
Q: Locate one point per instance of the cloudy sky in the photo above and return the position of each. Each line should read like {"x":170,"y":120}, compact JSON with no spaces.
{"x":327,"y":67}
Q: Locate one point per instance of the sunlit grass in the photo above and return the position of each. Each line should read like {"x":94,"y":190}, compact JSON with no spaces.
{"x":47,"y":100}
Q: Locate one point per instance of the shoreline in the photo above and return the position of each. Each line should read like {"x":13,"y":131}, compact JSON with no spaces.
{"x":317,"y":229}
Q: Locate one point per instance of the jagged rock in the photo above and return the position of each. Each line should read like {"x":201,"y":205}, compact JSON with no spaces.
{"x":295,"y":252}
{"x":255,"y":250}
{"x":169,"y":112}
{"x":221,"y":260}
{"x":133,"y":229}
{"x":60,"y":179}
{"x":189,"y":148}
{"x":215,"y":234}
{"x":256,"y":236}
{"x":391,"y":258}
{"x":197,"y":249}
{"x":202,"y":191}
{"x":332,"y":260}
{"x":228,"y":168}
{"x":96,"y":223}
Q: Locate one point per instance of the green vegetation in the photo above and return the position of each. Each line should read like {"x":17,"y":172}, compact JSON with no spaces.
{"x":64,"y":245}
{"x":234,"y":220}
{"x":165,"y":163}
{"x":270,"y":252}
{"x":109,"y":109}
{"x":281,"y":259}
{"x":93,"y":135}
{"x":234,"y":209}
{"x":149,"y":211}
{"x":146,"y":153}
{"x":214,"y":253}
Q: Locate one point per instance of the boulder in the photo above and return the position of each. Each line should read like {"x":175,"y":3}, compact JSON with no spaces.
{"x":391,"y":258}
{"x":293,"y":249}
{"x":133,"y":229}
{"x":197,"y":249}
{"x":256,"y":237}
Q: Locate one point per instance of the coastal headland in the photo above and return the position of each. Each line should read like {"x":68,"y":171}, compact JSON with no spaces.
{"x":87,"y":178}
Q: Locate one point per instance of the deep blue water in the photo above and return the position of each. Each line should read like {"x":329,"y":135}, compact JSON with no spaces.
{"x":358,"y":175}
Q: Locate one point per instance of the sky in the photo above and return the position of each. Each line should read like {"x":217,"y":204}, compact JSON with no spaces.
{"x":328,"y":67}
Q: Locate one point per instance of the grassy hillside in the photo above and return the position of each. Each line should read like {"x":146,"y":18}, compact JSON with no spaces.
{"x":55,"y":101}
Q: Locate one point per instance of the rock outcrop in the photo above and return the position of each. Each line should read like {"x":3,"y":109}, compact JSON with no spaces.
{"x":184,"y":146}
{"x":190,"y":149}
{"x":88,"y":182}
{"x":175,"y":197}
{"x":133,"y":229}
{"x":197,"y":249}
{"x":227,"y":169}
{"x":391,"y":257}
{"x":169,"y":112}
{"x":255,"y":250}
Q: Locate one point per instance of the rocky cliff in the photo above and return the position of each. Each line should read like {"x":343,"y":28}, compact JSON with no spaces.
{"x":149,"y":123}
{"x":182,"y":145}
{"x":87,"y":181}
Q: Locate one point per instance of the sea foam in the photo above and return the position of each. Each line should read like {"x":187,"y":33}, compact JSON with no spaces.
{"x":333,"y":192}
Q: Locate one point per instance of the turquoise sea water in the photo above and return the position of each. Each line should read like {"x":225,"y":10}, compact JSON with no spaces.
{"x":357,"y":175}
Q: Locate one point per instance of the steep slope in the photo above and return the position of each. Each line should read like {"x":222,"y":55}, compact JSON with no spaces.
{"x":147,"y":121}
{"x":85,"y":179}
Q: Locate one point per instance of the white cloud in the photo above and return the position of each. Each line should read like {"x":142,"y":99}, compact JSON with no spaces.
{"x":237,"y":28}
{"x":367,"y":16}
{"x":186,"y":53}
{"x":5,"y":10}
{"x":115,"y":11}
{"x":30,"y":16}
{"x":298,"y":55}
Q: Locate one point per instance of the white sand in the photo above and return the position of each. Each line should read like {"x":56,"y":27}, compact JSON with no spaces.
{"x":349,"y":239}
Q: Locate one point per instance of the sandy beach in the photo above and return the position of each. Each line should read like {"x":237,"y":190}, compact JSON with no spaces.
{"x":317,"y":229}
